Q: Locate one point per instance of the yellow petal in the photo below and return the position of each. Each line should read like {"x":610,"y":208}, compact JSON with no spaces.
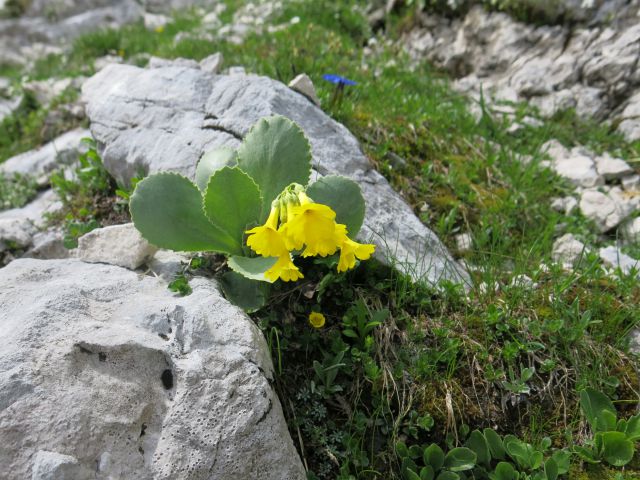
{"x":316,"y":319}
{"x":351,"y":250}
{"x":284,"y":269}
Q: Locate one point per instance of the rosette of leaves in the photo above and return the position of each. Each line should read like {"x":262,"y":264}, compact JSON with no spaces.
{"x":232,"y":192}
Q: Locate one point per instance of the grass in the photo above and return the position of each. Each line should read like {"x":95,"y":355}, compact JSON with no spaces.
{"x":441,"y":363}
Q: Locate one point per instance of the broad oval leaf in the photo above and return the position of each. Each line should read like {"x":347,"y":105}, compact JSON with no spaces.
{"x":213,"y":161}
{"x":252,"y":267}
{"x":434,"y":456}
{"x":232,"y":201}
{"x":495,"y":443}
{"x":344,"y":197}
{"x":617,"y":450}
{"x":166,"y":208}
{"x":598,"y":409}
{"x":448,"y":476}
{"x":551,"y":469}
{"x":275,"y":153}
{"x":478,"y":443}
{"x":505,"y":471}
{"x":243,"y":292}
{"x":409,"y":474}
{"x":631,"y":428}
{"x":460,"y":459}
{"x":427,"y":473}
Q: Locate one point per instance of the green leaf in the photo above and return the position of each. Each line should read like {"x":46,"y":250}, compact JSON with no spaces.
{"x":563,"y":461}
{"x":411,"y":475}
{"x":448,"y":476}
{"x":167,"y":210}
{"x":495,"y":443}
{"x":427,"y":473}
{"x":180,"y":285}
{"x":617,"y":450}
{"x":415,"y":451}
{"x":247,"y":294}
{"x":551,"y":469}
{"x":252,"y":267}
{"x":585,"y":454}
{"x":434,"y":456}
{"x":632,"y":428}
{"x":460,"y":459}
{"x":232,"y":201}
{"x":275,"y":153}
{"x":344,"y":197}
{"x":505,"y":471}
{"x":480,"y":447}
{"x":402,"y":450}
{"x":213,"y":161}
{"x":598,"y":409}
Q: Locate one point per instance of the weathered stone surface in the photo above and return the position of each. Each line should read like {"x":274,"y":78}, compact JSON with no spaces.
{"x":47,"y":90}
{"x":107,"y":372}
{"x":614,"y":258}
{"x":303,"y":84}
{"x":213,"y":63}
{"x":564,"y":205}
{"x":607,"y":208}
{"x":591,"y":67}
{"x":576,"y":165}
{"x":19,"y":225}
{"x":165,"y":119}
{"x":120,"y":245}
{"x":612,"y":168}
{"x":568,"y":250}
{"x":61,"y":151}
{"x":630,"y":231}
{"x":48,"y":244}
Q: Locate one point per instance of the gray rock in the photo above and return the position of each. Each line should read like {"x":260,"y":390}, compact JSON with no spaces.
{"x":19,"y":225}
{"x":151,"y":120}
{"x":607,"y":209}
{"x":579,"y":168}
{"x":631,"y":183}
{"x":630,"y":231}
{"x":614,"y":258}
{"x":212,"y":64}
{"x":120,"y":245}
{"x":167,"y":264}
{"x":155,"y":21}
{"x":464,"y":242}
{"x":55,"y":466}
{"x":564,"y":205}
{"x":8,"y":106}
{"x":303,"y":84}
{"x":568,"y":251}
{"x":132,"y":381}
{"x":612,"y":168}
{"x":47,"y":245}
{"x":157,"y":62}
{"x":40,"y":162}
{"x":45,"y":91}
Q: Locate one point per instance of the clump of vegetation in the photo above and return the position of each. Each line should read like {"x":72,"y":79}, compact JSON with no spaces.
{"x":392,"y":362}
{"x":89,"y":197}
{"x":16,"y":190}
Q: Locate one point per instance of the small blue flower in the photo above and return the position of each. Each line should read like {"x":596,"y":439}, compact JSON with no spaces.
{"x":337,"y":79}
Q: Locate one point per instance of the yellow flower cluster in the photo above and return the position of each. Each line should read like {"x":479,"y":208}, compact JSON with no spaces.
{"x":296,"y":223}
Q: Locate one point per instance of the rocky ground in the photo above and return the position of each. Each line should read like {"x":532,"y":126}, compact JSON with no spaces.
{"x":90,"y":321}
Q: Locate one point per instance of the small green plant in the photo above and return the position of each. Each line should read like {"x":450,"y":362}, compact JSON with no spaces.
{"x":261,"y":190}
{"x":359,"y":323}
{"x":16,"y":190}
{"x":613,"y":440}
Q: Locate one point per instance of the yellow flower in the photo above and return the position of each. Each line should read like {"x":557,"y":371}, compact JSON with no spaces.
{"x":284,"y":269}
{"x":159,"y":29}
{"x":350,"y":250}
{"x":316,"y":319}
{"x":266,"y":240}
{"x":313,"y":225}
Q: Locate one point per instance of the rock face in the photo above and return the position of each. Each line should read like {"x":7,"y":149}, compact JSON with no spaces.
{"x":591,"y":68}
{"x":165,"y":118}
{"x":104,"y":375}
{"x":120,"y":245}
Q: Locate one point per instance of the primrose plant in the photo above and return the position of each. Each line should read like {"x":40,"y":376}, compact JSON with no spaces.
{"x":255,"y":205}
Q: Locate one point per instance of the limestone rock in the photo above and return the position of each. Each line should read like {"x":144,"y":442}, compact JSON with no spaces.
{"x":37,"y":163}
{"x":568,"y":250}
{"x":614,"y":258}
{"x":45,"y":91}
{"x":631,"y":183}
{"x":612,"y":168}
{"x":120,"y":245}
{"x":212,"y":64}
{"x":111,"y":370}
{"x":19,"y":225}
{"x":630,"y":231}
{"x":48,"y":244}
{"x":303,"y":84}
{"x":165,"y":119}
{"x":579,"y":168}
{"x":464,"y":242}
{"x":607,"y":209}
{"x":564,"y":205}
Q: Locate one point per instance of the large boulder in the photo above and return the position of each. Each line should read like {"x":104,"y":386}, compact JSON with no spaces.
{"x":149,"y":120}
{"x":106,"y":374}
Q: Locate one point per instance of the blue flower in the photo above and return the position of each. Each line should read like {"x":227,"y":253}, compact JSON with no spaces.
{"x":337,"y":79}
